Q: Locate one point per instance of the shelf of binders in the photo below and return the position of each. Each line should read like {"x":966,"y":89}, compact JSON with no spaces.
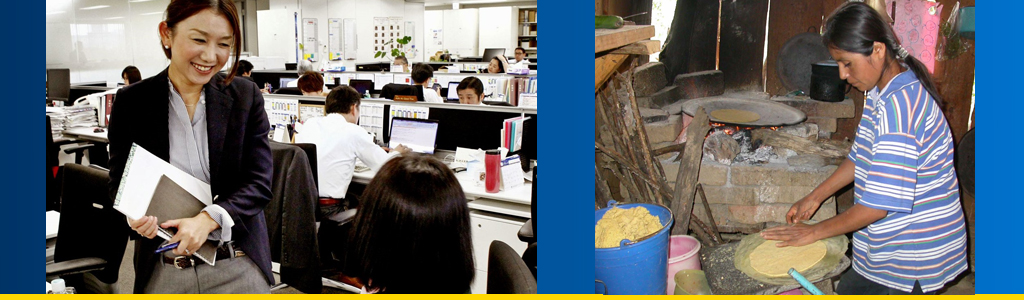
{"x":528,"y":30}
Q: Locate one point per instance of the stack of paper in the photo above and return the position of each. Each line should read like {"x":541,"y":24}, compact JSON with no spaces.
{"x":512,"y":133}
{"x":62,"y":118}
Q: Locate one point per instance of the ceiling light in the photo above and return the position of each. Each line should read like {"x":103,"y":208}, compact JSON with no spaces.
{"x":94,"y":7}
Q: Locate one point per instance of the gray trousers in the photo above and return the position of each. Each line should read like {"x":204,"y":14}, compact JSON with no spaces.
{"x":238,"y":275}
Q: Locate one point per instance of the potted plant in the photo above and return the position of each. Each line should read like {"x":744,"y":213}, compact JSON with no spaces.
{"x":395,"y":52}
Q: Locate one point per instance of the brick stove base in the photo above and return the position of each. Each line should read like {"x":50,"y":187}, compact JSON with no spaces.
{"x":745,"y":198}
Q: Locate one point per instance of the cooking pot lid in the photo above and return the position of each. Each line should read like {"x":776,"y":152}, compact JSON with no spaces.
{"x":772,"y":113}
{"x":795,"y":59}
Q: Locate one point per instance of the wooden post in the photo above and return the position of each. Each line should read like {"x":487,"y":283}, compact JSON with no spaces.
{"x":686,"y":180}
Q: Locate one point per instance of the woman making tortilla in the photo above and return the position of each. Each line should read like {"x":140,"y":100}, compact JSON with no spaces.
{"x":910,"y":233}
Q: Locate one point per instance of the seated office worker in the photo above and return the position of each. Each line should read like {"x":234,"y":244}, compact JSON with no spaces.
{"x":498,"y":65}
{"x":303,"y":67}
{"x":213,"y":128}
{"x":131,"y":74}
{"x":412,"y":233}
{"x":311,"y":84}
{"x":471,"y":91}
{"x":244,"y":70}
{"x":339,"y":141}
{"x":421,"y":74}
{"x":521,"y":56}
{"x":404,"y":62}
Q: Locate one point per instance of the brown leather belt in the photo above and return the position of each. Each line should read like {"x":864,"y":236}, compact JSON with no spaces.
{"x":184,"y":262}
{"x":329,"y":201}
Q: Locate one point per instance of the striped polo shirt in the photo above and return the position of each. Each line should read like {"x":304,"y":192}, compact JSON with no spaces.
{"x":903,"y":155}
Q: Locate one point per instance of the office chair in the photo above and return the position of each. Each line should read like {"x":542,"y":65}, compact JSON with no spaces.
{"x":53,"y":178}
{"x":291,"y":219}
{"x":288,"y":91}
{"x":391,"y":90}
{"x":527,"y":233}
{"x":506,"y":272}
{"x":92,"y":235}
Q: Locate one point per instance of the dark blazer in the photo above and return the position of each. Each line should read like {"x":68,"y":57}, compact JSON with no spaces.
{"x":240,"y":159}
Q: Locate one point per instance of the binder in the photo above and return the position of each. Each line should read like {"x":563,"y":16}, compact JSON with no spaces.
{"x":170,"y":201}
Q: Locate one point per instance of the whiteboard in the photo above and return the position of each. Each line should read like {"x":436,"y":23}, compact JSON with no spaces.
{"x":309,"y":42}
{"x":276,"y":37}
{"x":334,"y":47}
{"x":350,"y":38}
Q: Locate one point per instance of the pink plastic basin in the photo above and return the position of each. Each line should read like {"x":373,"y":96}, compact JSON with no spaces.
{"x":682,"y":255}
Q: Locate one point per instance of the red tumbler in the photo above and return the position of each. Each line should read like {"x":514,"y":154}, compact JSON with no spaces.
{"x":492,"y":166}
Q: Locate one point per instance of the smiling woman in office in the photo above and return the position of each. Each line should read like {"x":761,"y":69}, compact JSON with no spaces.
{"x":412,"y":232}
{"x":213,"y":128}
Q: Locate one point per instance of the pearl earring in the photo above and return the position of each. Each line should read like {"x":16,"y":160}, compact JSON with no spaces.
{"x":167,"y":47}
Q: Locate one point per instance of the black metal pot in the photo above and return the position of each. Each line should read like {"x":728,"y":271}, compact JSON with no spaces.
{"x":825,"y":82}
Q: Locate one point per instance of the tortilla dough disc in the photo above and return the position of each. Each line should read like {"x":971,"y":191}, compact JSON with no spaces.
{"x":735,"y":116}
{"x":775,"y":261}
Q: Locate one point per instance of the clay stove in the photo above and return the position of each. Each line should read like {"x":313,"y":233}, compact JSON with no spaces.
{"x":751,"y":185}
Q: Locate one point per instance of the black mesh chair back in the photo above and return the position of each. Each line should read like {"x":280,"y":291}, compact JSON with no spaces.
{"x":89,"y":226}
{"x":507,"y":273}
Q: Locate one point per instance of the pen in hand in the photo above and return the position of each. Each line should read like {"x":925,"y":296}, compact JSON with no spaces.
{"x":166,"y":248}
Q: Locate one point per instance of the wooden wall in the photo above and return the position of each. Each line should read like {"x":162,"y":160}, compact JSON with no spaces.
{"x":692,"y":42}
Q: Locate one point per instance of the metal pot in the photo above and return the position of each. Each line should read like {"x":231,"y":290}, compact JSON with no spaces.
{"x":825,"y":82}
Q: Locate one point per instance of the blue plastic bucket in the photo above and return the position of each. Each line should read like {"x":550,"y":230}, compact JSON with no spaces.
{"x":635,"y":268}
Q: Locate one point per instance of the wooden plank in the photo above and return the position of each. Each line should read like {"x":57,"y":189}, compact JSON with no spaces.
{"x":787,"y":19}
{"x":605,"y":66}
{"x":689,"y":167}
{"x":607,"y":39}
{"x":742,"y":47}
{"x":645,"y":47}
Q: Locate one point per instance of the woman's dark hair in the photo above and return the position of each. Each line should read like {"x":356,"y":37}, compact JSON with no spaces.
{"x":501,"y":65}
{"x":472,"y":83}
{"x":421,"y":72}
{"x":340,"y":99}
{"x":179,"y":10}
{"x":132,"y":74}
{"x":412,"y":232}
{"x":855,"y":26}
{"x":244,"y":66}
{"x":311,"y":82}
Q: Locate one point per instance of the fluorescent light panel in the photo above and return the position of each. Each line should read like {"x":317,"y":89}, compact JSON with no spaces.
{"x":94,"y":7}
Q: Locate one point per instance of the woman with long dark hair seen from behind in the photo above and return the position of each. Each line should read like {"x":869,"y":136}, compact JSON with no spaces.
{"x":213,"y":128}
{"x":910,"y":233}
{"x":412,"y":232}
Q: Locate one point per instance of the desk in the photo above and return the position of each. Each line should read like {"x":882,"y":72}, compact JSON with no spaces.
{"x":518,"y":195}
{"x":87,"y":134}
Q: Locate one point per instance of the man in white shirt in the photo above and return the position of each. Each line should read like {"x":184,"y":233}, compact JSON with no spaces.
{"x":339,"y":141}
{"x":521,"y":56}
{"x":421,"y":74}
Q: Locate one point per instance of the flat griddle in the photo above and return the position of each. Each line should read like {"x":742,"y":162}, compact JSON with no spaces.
{"x":772,"y":113}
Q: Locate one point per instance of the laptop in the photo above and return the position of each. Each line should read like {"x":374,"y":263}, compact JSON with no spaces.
{"x":453,"y":93}
{"x":419,"y":135}
{"x":361,"y":85}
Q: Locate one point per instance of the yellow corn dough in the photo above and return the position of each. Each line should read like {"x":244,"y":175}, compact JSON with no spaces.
{"x":774,"y":261}
{"x":618,"y":224}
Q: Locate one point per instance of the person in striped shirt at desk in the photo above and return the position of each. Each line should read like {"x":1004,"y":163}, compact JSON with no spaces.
{"x":910,"y":233}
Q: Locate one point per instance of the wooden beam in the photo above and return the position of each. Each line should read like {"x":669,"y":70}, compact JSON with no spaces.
{"x":645,"y":47}
{"x":605,"y":66}
{"x":607,"y":39}
{"x":689,"y":167}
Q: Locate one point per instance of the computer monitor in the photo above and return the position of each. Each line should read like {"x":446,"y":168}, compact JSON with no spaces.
{"x":361,"y":85}
{"x":492,"y":52}
{"x":419,"y":135}
{"x":284,"y":82}
{"x":453,"y":93}
{"x":58,"y":84}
